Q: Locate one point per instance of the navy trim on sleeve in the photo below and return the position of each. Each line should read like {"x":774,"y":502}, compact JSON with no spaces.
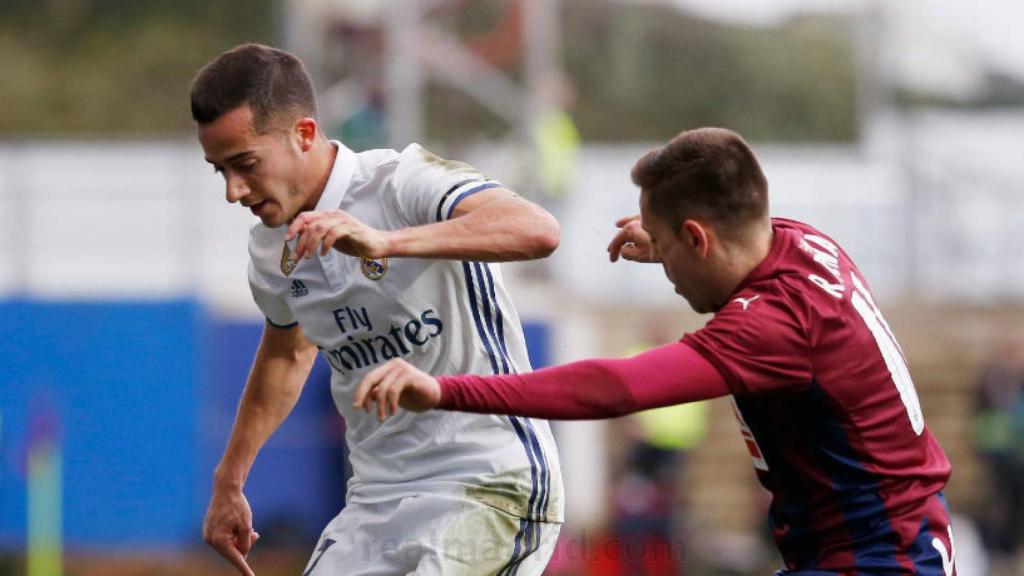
{"x":282,"y":327}
{"x":480,"y":188}
{"x":450,"y":191}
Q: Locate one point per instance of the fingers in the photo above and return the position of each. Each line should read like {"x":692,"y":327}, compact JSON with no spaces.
{"x":330,"y":238}
{"x":225,"y":545}
{"x":393,"y":394}
{"x":392,"y":381}
{"x":238,"y":560}
{"x":361,"y":398}
{"x":632,"y":243}
{"x":635,"y":253}
{"x":298,"y":229}
{"x":244,"y":539}
{"x":626,"y":220}
{"x":313,"y":229}
{"x":624,"y":238}
{"x":376,"y":396}
{"x":621,"y":239}
{"x":295,"y":228}
{"x":322,"y":231}
{"x":227,"y":527}
{"x":382,"y":387}
{"x":310,"y":238}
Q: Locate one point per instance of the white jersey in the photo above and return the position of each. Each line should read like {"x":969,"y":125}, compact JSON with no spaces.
{"x":442,"y":316}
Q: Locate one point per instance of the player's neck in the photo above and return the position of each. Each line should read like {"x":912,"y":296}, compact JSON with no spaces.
{"x":743,"y":258}
{"x":321,"y":164}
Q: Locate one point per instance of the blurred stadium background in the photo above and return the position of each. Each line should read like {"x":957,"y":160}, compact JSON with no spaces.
{"x":127,"y":327}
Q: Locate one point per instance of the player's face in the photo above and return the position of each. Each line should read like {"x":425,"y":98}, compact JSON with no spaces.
{"x":261,"y":171}
{"x":679,"y":258}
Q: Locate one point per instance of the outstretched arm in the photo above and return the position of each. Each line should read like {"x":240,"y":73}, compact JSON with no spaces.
{"x":588,"y":389}
{"x":279,"y":371}
{"x":494,"y":225}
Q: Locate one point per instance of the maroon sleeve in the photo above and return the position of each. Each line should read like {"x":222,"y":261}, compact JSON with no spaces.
{"x":590,"y":389}
{"x":758,"y":342}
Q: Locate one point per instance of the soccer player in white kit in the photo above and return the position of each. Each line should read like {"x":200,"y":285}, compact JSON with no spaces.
{"x":369,"y":257}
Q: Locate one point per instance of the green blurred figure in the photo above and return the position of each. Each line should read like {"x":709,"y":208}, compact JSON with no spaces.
{"x":557,"y":140}
{"x":999,"y":438}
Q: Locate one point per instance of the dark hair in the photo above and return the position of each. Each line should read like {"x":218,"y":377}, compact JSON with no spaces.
{"x":710,"y":173}
{"x":271,"y":81}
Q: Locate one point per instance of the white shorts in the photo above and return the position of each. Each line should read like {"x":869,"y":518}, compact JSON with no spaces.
{"x":431,"y":534}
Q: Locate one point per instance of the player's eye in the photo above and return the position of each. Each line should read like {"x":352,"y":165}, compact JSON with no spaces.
{"x":218,"y":170}
{"x":247,"y":164}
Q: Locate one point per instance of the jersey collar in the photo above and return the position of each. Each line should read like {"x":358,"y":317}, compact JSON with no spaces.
{"x":340,"y":179}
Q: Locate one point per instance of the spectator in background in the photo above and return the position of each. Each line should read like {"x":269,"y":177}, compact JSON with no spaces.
{"x":999,"y":438}
{"x":557,"y":140}
{"x":367,"y":127}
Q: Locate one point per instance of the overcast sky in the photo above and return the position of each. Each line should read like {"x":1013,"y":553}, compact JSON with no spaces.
{"x":934,"y":44}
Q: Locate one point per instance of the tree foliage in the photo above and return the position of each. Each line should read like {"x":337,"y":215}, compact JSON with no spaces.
{"x":668,"y":70}
{"x":640,"y":71}
{"x":87,"y":67}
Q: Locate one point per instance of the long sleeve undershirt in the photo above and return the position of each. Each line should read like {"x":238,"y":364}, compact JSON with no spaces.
{"x":590,"y":389}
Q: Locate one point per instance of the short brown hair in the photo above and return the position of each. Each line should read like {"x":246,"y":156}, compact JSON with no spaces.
{"x":271,"y":81}
{"x":708,"y":172}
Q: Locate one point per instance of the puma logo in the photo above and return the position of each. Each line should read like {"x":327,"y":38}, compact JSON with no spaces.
{"x":746,"y":301}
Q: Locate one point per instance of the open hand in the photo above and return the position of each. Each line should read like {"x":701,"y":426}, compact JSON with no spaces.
{"x":395,"y":384}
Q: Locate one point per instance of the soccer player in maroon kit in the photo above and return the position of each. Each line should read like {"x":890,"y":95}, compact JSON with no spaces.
{"x":820,"y":387}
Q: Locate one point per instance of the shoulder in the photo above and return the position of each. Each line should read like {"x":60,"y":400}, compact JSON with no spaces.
{"x":757,"y":340}
{"x":370,"y":163}
{"x":761,"y":309}
{"x":811,"y":267}
{"x":757,"y":320}
{"x":417,"y":163}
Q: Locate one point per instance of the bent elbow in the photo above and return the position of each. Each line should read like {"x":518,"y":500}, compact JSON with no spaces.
{"x":545,"y":238}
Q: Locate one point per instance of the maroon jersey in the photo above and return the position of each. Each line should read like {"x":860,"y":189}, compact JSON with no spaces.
{"x":830,"y":415}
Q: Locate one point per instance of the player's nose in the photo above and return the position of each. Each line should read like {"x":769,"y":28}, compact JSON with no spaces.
{"x":236,"y":189}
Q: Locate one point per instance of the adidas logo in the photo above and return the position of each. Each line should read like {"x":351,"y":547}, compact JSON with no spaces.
{"x":299,"y":289}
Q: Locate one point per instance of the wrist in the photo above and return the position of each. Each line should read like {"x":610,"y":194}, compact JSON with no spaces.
{"x":228,"y":479}
{"x":444,"y":396}
{"x":396,"y":243}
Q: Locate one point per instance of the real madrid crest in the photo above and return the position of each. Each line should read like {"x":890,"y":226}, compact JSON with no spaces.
{"x":288,"y":263}
{"x":374,"y":269}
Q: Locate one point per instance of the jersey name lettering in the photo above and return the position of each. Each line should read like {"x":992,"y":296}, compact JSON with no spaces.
{"x":351,"y":319}
{"x":826,"y":254}
{"x":366,"y":350}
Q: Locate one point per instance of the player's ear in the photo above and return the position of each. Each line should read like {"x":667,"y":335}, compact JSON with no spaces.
{"x":696,"y":235}
{"x":304,"y":130}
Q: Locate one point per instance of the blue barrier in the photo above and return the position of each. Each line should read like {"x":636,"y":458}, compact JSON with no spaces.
{"x":140,"y":397}
{"x":116,"y":383}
